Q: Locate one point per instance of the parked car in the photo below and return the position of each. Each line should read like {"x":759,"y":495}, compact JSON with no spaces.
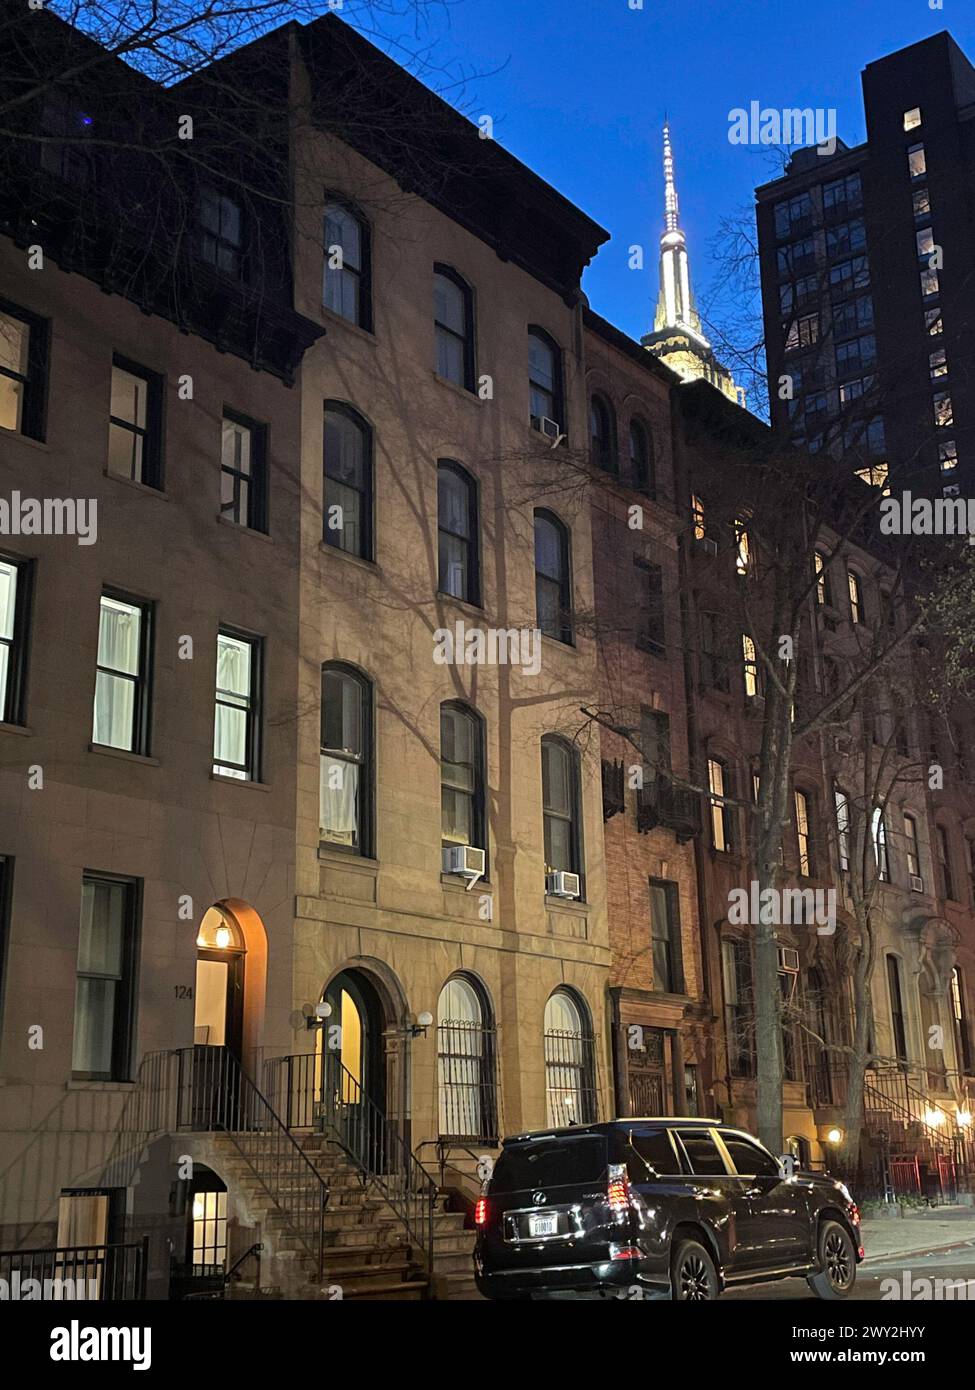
{"x":673,"y":1207}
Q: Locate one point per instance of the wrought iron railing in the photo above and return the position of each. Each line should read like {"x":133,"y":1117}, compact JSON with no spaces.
{"x":661,"y":802}
{"x":315,"y":1091}
{"x":213,"y":1092}
{"x":467,"y":1096}
{"x":570,"y":1077}
{"x":100,"y":1273}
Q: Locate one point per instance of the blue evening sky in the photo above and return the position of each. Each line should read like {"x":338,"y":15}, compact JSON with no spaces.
{"x":578,"y":89}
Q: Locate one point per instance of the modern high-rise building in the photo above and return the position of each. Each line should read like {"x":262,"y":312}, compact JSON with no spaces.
{"x":677,"y":338}
{"x":867,"y":256}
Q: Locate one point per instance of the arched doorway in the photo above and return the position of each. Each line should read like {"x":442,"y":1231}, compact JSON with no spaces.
{"x":354,"y":1064}
{"x":218,"y":1019}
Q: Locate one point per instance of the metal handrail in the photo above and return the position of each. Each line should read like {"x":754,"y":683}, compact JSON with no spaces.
{"x":319,"y":1092}
{"x":117,"y":1272}
{"x":213,"y":1092}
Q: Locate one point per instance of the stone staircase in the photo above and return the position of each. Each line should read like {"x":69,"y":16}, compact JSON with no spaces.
{"x":367,"y":1253}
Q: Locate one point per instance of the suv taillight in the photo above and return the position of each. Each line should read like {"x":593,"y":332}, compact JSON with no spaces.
{"x":618,"y":1190}
{"x":480,"y":1212}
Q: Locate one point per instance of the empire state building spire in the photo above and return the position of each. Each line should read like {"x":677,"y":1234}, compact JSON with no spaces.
{"x":675,"y":303}
{"x":677,"y":338}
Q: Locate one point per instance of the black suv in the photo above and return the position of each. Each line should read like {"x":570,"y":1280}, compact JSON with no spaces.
{"x":672,"y":1207}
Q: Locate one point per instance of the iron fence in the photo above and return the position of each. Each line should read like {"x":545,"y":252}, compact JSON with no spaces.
{"x":97,"y":1273}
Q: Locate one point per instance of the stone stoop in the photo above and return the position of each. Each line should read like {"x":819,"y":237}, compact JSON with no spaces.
{"x":453,"y":1257}
{"x":367,"y":1255}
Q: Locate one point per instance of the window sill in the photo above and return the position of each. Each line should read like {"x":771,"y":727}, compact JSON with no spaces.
{"x":466,"y":605}
{"x":346,"y":555}
{"x":239,"y":782}
{"x":40,"y":444}
{"x":347,"y":858}
{"x":457,"y":389}
{"x":459,"y":884}
{"x":76,"y":1084}
{"x":22,"y":729}
{"x":557,"y":642}
{"x":123,"y":753}
{"x":244,"y":530}
{"x":330,"y":316}
{"x":137,"y":486}
{"x":579,"y":906}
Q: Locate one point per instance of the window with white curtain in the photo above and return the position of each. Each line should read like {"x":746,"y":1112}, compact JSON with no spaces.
{"x":103,"y":1023}
{"x":14,"y":584}
{"x":570,"y":1084}
{"x":237,"y":722}
{"x":345,"y":774}
{"x":121,"y":713}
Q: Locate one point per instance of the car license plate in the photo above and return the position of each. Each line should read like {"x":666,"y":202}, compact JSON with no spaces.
{"x":544,"y":1224}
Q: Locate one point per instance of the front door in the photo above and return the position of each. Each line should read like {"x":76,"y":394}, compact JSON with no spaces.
{"x":218,"y":1037}
{"x":354,"y":1072}
{"x":645,"y":1074}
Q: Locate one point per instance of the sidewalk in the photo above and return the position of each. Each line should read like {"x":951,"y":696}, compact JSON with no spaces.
{"x":936,"y":1228}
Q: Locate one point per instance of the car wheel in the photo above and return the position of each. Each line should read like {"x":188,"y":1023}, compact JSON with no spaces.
{"x":693,"y":1276}
{"x":837,"y":1263}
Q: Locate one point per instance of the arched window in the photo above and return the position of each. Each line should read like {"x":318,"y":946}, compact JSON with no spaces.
{"x":602,"y":435}
{"x":465,"y":1063}
{"x":641,"y":457}
{"x":346,"y":773}
{"x":943,"y":847}
{"x":347,"y":470}
{"x":878,"y":834}
{"x":457,"y":533}
{"x":544,"y":379}
{"x":896,"y":1000}
{"x":570,"y":1082}
{"x":560,"y":806}
{"x":553,"y":577}
{"x":959,"y":1012}
{"x":462,"y":778}
{"x":855,"y":591}
{"x":912,"y":851}
{"x":804,"y":835}
{"x":453,"y":326}
{"x":346,"y":278}
{"x":822,"y":578}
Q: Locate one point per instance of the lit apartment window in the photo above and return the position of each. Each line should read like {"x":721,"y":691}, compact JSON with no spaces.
{"x":943,"y":413}
{"x":912,"y":118}
{"x":750,"y":666}
{"x":911,"y":846}
{"x":803,"y":836}
{"x":922,"y":203}
{"x":24,"y":340}
{"x":561,"y":816}
{"x":243,"y":472}
{"x":925,"y":242}
{"x":803,"y":332}
{"x":453,"y":325}
{"x":948,"y":455}
{"x":722,"y":814}
{"x":916,"y":162}
{"x":963,"y":1040}
{"x":743,"y":559}
{"x":219,"y":231}
{"x":104,"y":990}
{"x":210,"y":1229}
{"x":237,"y":721}
{"x":878,"y":833}
{"x":135,"y":424}
{"x":856,"y":596}
{"x":842,"y":805}
{"x":697,"y":519}
{"x":123,"y":679}
{"x":930,"y":284}
{"x":937,"y":364}
{"x":345,"y":768}
{"x":933,"y":322}
{"x":346,"y":288}
{"x":822,"y":578}
{"x":15,"y":581}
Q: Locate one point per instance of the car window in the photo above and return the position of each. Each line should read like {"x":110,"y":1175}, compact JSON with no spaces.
{"x":653,"y":1147}
{"x":750,"y":1160}
{"x":703,"y":1152}
{"x":550,"y":1163}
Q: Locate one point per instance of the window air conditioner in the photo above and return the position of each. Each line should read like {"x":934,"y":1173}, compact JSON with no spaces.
{"x":465,"y":860}
{"x":561,"y":884}
{"x":706,"y":545}
{"x":789,"y":960}
{"x":545,"y":426}
{"x":917,"y":883}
